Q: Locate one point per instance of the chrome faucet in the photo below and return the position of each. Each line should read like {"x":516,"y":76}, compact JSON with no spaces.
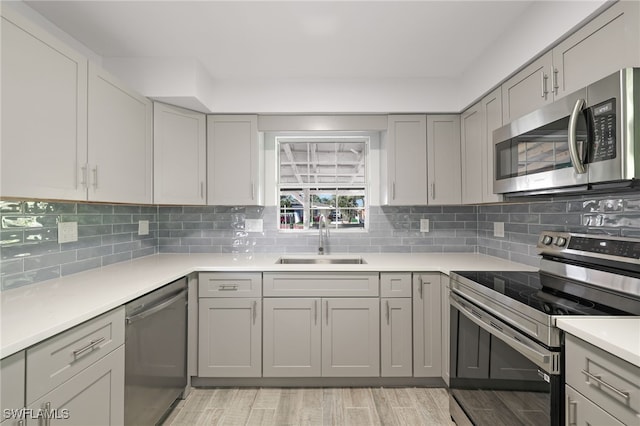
{"x":322,"y":221}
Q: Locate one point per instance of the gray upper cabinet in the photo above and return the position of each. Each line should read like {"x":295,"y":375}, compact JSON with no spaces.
{"x":44,"y":113}
{"x":606,"y":44}
{"x":528,"y":90}
{"x":602,"y":46}
{"x":120,"y":137}
{"x":471,"y":144}
{"x":404,"y":161}
{"x":443,"y":153}
{"x":235,"y":161}
{"x":477,"y":124}
{"x":179,"y":155}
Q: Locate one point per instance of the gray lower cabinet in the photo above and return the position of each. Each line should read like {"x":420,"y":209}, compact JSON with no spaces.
{"x":12,"y":389}
{"x":229,"y":337}
{"x":579,"y":411}
{"x":396,"y":337}
{"x":77,"y":377}
{"x":313,"y":337}
{"x":291,"y":337}
{"x":95,"y":396}
{"x":351,"y":337}
{"x":427,"y":325}
{"x":600,"y":386}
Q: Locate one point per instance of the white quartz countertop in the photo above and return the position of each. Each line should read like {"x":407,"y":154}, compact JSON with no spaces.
{"x":620,"y":336}
{"x":36,"y":312}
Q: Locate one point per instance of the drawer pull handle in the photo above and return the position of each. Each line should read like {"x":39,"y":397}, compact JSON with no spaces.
{"x":228,"y":287}
{"x":92,"y":344}
{"x":572,"y":416}
{"x":599,"y":380}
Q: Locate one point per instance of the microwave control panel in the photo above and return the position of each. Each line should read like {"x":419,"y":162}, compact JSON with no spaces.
{"x":604,"y":131}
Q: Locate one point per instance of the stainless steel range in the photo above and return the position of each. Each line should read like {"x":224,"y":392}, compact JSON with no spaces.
{"x":506,"y":351}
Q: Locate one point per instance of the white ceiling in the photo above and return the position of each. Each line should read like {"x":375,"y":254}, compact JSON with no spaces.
{"x":254,"y":42}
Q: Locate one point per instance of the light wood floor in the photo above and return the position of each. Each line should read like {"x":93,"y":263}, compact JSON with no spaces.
{"x":313,"y":406}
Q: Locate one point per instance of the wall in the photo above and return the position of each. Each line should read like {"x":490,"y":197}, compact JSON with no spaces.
{"x":30,"y":252}
{"x":29,"y":248}
{"x":612,"y":214}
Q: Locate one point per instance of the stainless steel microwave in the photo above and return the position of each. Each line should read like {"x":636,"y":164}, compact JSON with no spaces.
{"x":586,"y":140}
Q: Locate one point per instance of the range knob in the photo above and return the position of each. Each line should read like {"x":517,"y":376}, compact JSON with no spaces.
{"x":561,"y":241}
{"x":547,"y":240}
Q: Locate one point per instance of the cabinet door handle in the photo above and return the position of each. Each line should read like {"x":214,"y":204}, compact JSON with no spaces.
{"x":253,"y":190}
{"x":315,"y":312}
{"x":228,"y":287}
{"x":572,"y":412}
{"x":543,"y":84}
{"x":599,"y":380}
{"x":393,"y":190}
{"x":92,"y":344}
{"x":326,"y":310}
{"x":202,"y":190}
{"x":554,"y":81}
{"x":420,"y":284}
{"x":254,"y":311}
{"x":46,"y":417}
{"x":433,"y":191}
{"x":388,"y":312}
{"x":83,"y":178}
{"x":95,"y":177}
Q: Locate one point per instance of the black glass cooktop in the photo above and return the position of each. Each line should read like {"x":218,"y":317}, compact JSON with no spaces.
{"x":544,"y":292}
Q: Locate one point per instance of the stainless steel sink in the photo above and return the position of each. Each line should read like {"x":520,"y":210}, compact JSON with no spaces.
{"x":321,"y":260}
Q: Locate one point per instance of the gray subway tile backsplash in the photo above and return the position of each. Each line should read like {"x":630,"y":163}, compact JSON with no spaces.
{"x":30,"y":252}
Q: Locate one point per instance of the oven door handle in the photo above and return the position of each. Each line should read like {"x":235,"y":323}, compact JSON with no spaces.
{"x":548,"y":361}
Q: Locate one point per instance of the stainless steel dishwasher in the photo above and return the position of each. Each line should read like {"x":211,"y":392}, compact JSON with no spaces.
{"x":155,"y":353}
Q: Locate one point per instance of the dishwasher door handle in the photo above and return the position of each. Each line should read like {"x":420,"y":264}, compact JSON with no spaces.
{"x":155,"y":308}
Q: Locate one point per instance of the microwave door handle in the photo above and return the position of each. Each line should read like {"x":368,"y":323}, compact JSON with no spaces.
{"x":576,"y":161}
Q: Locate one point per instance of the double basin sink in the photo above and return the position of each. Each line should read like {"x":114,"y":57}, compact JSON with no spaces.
{"x":321,"y":260}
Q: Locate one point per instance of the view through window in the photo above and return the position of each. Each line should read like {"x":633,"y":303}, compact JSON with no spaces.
{"x":322,"y":177}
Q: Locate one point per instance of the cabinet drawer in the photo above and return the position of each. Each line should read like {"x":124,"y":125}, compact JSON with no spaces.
{"x":608,"y":381}
{"x":229,"y":284}
{"x":11,"y":383}
{"x":319,"y":284}
{"x":59,"y":358}
{"x":395,"y":284}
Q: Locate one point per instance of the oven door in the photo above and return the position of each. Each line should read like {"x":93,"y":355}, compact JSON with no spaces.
{"x":499,"y":376}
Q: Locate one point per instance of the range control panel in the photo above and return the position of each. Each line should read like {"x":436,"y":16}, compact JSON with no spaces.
{"x":626,"y":249}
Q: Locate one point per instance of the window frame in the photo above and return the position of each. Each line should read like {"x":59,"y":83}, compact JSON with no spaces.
{"x":330,"y":188}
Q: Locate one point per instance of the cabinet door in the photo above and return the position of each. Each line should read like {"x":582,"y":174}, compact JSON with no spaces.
{"x":528,"y":90}
{"x":120,"y":141}
{"x":609,"y":42}
{"x":396,"y":337}
{"x":44,"y":113}
{"x":406,"y":161}
{"x":491,"y":120}
{"x":229,"y":337}
{"x":12,"y":372}
{"x":446,"y":323}
{"x":443,"y":152}
{"x":427,"y":326}
{"x":580,"y":411}
{"x":95,"y":396}
{"x":291,"y":341}
{"x":472,"y":149}
{"x":351,"y":337}
{"x":179,"y":155}
{"x":234,"y":161}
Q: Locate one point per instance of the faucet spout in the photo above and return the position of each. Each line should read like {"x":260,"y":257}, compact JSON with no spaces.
{"x":322,"y":222}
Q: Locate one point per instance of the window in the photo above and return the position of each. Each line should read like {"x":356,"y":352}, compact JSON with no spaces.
{"x":322,"y":177}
